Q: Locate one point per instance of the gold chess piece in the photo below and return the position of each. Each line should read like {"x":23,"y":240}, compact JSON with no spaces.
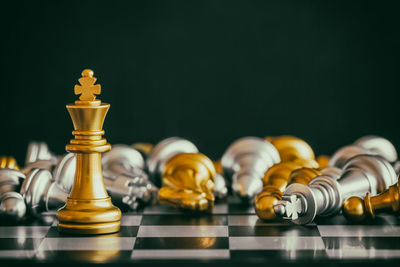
{"x":356,"y":209}
{"x":88,"y":209}
{"x":323,"y":161}
{"x":188,"y":182}
{"x":295,"y":154}
{"x":9,"y":163}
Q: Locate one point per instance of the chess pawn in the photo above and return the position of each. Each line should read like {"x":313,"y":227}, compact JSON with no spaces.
{"x":162,"y":152}
{"x":188,"y":182}
{"x":294,"y":153}
{"x":125,"y":179}
{"x":244,"y":164}
{"x":12,"y":205}
{"x":220,"y":189}
{"x":373,"y":145}
{"x":356,"y":209}
{"x":39,"y":156}
{"x":88,"y":209}
{"x":44,"y":191}
{"x":324,"y":196}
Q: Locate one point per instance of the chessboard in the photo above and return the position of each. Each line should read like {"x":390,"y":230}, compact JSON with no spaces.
{"x":232,"y":233}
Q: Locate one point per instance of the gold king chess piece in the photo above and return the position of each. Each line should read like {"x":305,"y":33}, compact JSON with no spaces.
{"x":88,"y":209}
{"x":295,"y":154}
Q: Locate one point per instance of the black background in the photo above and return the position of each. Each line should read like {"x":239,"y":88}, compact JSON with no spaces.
{"x":209,"y":71}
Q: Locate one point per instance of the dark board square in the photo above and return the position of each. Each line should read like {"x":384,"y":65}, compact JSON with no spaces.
{"x":184,"y":219}
{"x":273,"y":230}
{"x":182,"y":243}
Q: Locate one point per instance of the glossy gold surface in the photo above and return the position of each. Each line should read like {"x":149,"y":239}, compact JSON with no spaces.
{"x":295,"y":154}
{"x":8,"y":162}
{"x":323,"y":161}
{"x":356,"y":209}
{"x":291,"y":148}
{"x":88,"y":209}
{"x":188,"y":181}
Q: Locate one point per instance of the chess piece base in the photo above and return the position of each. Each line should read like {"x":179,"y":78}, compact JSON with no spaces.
{"x":89,"y":217}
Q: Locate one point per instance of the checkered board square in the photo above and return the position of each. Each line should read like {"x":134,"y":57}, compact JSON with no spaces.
{"x":232,"y":231}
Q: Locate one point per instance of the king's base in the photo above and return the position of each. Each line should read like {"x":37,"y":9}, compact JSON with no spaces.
{"x":89,"y":217}
{"x":89,"y":229}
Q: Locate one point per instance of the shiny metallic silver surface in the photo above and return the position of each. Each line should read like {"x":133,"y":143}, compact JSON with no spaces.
{"x":220,"y":188}
{"x":125,"y":179}
{"x":165,"y":150}
{"x":42,"y":193}
{"x":39,"y":156}
{"x":64,"y":172}
{"x":245,"y":162}
{"x":131,"y":190}
{"x":379,"y":145}
{"x":324,"y":196}
{"x":12,"y":205}
{"x":373,"y":145}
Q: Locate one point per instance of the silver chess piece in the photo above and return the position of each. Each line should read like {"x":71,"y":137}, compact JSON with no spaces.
{"x":220,"y":190}
{"x":39,"y":156}
{"x":324,"y":196}
{"x":44,"y":191}
{"x":245,"y":162}
{"x":163,"y":151}
{"x":369,"y":144}
{"x":12,"y":205}
{"x":125,"y":179}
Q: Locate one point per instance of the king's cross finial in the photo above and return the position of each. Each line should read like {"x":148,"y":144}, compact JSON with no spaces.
{"x":88,"y":89}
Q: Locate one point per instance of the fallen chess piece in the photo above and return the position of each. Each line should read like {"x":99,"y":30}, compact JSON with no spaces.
{"x":372,"y":145}
{"x":44,"y":191}
{"x":125,"y":179}
{"x":12,"y":205}
{"x":40,"y":157}
{"x":188,"y":182}
{"x":244,"y":164}
{"x":324,"y":196}
{"x":294,"y":153}
{"x":187,"y":177}
{"x":220,"y":190}
{"x":356,"y":209}
{"x":275,"y":179}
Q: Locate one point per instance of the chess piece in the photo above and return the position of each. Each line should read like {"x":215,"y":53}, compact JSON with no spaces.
{"x":244,"y":164}
{"x":324,"y":196}
{"x":44,"y":191}
{"x":125,"y":179}
{"x":88,"y":209}
{"x":220,"y":189}
{"x":162,"y":152}
{"x":323,"y":161}
{"x":8,"y":162}
{"x":12,"y":205}
{"x":39,"y":156}
{"x":188,"y":182}
{"x":294,"y":153}
{"x":143,"y":148}
{"x":356,"y":209}
{"x":373,"y":145}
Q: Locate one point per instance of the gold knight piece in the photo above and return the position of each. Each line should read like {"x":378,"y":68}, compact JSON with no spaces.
{"x":88,"y":209}
{"x":356,"y":209}
{"x":188,"y":181}
{"x":295,"y":154}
